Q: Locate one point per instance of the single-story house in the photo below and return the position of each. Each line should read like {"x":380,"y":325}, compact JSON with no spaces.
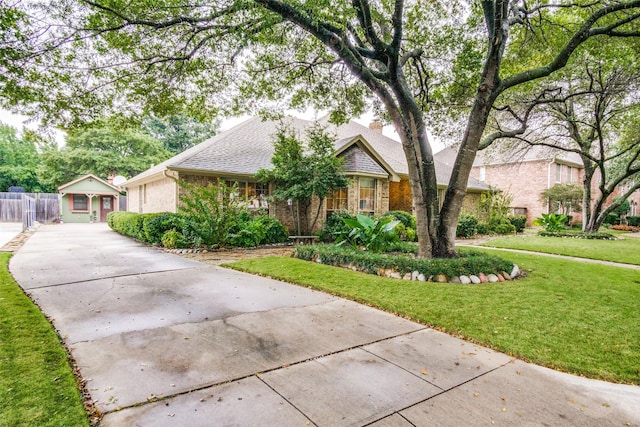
{"x":88,"y":199}
{"x":374,"y":163}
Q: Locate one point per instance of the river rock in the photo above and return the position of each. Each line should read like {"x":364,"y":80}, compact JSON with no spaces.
{"x":483,"y":278}
{"x":474,"y":279}
{"x":515,"y":272}
{"x":500,"y":277}
{"x":465,"y":280}
{"x":492,"y":278}
{"x":455,"y":279}
{"x":440,"y":278}
{"x":421,"y":277}
{"x":506,"y":275}
{"x":414,"y":275}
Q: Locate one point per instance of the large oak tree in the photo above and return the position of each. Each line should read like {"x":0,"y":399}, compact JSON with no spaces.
{"x":331,"y":54}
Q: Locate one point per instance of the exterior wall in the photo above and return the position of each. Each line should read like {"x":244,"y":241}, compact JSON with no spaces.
{"x":155,"y":196}
{"x":525,"y":181}
{"x":400,"y":196}
{"x":70,"y":216}
{"x":471,"y":203}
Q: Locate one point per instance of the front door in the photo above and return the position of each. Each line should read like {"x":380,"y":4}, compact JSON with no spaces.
{"x":106,"y":206}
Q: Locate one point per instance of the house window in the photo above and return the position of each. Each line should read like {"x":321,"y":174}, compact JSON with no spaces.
{"x":254,"y":193}
{"x":483,"y":174}
{"x":80,"y":202}
{"x":367,"y":195}
{"x":558,"y":172}
{"x":337,"y":200}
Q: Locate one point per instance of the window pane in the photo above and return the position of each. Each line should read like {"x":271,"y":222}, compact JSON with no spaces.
{"x":367,"y":194}
{"x":337,"y":200}
{"x":80,"y":202}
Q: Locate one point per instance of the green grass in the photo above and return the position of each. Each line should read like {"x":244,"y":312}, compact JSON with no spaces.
{"x":626,"y":251}
{"x":37,"y":385}
{"x":575,"y":317}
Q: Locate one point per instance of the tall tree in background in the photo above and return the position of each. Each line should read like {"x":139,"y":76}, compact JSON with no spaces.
{"x":178,"y":132}
{"x":102,"y":151}
{"x":19,"y":158}
{"x":302,"y":172}
{"x":594,"y":112}
{"x":330,"y":54}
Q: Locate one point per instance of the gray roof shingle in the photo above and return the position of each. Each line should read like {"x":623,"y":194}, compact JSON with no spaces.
{"x":248,"y":147}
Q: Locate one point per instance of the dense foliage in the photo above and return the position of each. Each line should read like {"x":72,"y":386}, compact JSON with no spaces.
{"x":303,"y":171}
{"x":172,"y":230}
{"x":470,"y":262}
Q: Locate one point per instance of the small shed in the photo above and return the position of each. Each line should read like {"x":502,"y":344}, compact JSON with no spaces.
{"x":88,"y":199}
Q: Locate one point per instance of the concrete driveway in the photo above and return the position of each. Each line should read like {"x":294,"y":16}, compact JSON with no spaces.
{"x":165,"y":341}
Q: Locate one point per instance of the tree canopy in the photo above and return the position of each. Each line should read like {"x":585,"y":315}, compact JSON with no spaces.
{"x":20,"y":158}
{"x":102,"y":151}
{"x":413,"y":61}
{"x":177,"y":133}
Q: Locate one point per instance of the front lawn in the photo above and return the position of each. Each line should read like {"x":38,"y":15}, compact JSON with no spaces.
{"x":572,"y":316}
{"x":37,"y":385}
{"x":625,"y":251}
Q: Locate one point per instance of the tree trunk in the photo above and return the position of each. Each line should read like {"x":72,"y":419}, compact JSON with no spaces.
{"x":422,"y":177}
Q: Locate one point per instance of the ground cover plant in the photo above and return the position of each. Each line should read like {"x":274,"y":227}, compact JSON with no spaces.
{"x":37,"y":385}
{"x":559,"y":316}
{"x":626,"y":250}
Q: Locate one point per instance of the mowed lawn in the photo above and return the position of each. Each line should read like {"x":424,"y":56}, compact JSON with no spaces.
{"x":626,"y":250}
{"x":576,"y":317}
{"x":37,"y":385}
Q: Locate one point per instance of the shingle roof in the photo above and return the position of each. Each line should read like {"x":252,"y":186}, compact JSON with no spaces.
{"x":248,"y":147}
{"x":521,"y":152}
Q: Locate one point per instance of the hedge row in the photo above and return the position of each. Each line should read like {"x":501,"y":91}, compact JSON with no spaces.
{"x":577,"y":235}
{"x":470,"y":261}
{"x":173,"y":230}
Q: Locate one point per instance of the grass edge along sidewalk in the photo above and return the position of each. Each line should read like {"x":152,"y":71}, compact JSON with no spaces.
{"x":567,"y":315}
{"x":37,"y":384}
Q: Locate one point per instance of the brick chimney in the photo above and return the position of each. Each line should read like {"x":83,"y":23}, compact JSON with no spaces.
{"x":376,"y":126}
{"x":110,"y":178}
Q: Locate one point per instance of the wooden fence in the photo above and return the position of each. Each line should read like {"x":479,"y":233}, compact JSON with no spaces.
{"x":12,"y":207}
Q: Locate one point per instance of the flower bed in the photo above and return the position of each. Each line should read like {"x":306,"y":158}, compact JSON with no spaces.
{"x":471,"y":267}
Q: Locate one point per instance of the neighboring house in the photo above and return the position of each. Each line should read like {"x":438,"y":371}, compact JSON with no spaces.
{"x":88,"y":199}
{"x":374,"y":163}
{"x":524,"y":172}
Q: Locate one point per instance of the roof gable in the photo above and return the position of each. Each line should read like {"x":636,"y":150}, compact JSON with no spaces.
{"x":89,"y":183}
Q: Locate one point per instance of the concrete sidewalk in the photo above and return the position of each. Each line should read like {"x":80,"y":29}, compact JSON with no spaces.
{"x":165,"y":341}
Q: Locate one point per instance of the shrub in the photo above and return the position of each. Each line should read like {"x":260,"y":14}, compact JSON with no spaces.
{"x":406,"y":230}
{"x":334,"y":226}
{"x":552,"y":222}
{"x":372,"y":234}
{"x":483,"y":228}
{"x":261,"y":229}
{"x":156,"y":225}
{"x":518,"y":221}
{"x":470,"y":262}
{"x":577,"y":235}
{"x":212,"y":212}
{"x":467,"y":225}
{"x":172,"y":239}
{"x":612,"y":219}
{"x":576,"y":225}
{"x":633,"y":221}
{"x":502,"y":226}
{"x":408,"y":220}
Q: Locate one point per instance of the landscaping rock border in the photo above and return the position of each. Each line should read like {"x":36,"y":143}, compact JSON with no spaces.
{"x":441,"y":278}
